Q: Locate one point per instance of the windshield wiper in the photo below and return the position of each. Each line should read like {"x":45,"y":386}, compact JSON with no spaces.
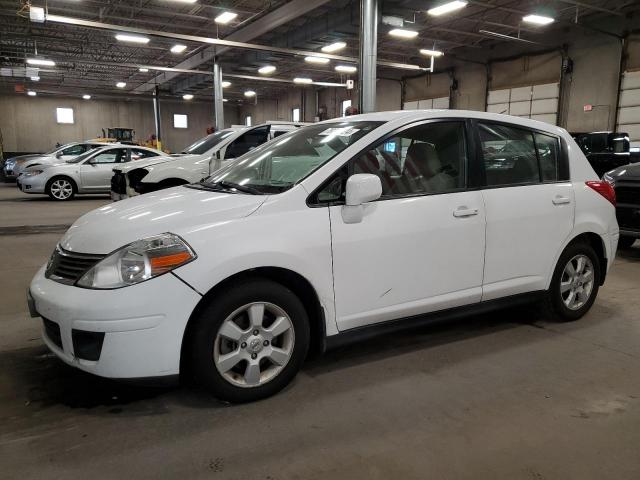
{"x":240,"y":188}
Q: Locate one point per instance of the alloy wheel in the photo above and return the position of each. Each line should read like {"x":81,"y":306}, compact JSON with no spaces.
{"x":576,"y":283}
{"x":254,"y":344}
{"x":61,"y":189}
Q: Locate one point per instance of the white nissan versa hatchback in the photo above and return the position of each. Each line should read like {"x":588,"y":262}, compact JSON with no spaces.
{"x":339,"y":230}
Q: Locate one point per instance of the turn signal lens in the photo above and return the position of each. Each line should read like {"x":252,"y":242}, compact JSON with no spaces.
{"x":168,"y":262}
{"x":603,"y":188}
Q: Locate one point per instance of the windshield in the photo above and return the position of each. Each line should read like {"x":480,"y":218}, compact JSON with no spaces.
{"x":84,"y":156}
{"x":278,"y":165}
{"x":207,"y":143}
{"x":59,"y":148}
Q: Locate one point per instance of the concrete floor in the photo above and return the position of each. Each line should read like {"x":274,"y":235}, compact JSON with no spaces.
{"x":506,"y":396}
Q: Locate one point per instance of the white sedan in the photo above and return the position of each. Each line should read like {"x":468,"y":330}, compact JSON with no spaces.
{"x":87,"y":173}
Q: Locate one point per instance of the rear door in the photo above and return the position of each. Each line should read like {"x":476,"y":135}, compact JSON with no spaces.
{"x":96,"y":172}
{"x":529,"y":204}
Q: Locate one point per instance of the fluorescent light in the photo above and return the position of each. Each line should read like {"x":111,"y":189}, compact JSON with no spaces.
{"x":143,"y":70}
{"x":249,"y":93}
{"x":334,"y":47}
{"x":41,"y":61}
{"x":431,"y":53}
{"x":316,"y":60}
{"x":86,"y":97}
{"x":538,"y":19}
{"x":447,"y":8}
{"x":124,"y":37}
{"x":402,"y":33}
{"x":302,"y":80}
{"x":346,"y":69}
{"x":185,"y":1}
{"x":187,"y":96}
{"x":121,"y":84}
{"x":267,"y":69}
{"x":31,"y":93}
{"x":178,"y":48}
{"x":36,"y":14}
{"x":225,"y":17}
{"x":35,"y":78}
{"x":226,"y":84}
{"x":225,"y":100}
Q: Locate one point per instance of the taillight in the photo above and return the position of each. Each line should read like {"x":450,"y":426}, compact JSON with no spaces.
{"x":603,"y":188}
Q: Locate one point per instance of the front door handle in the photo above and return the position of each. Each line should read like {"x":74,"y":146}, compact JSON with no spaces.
{"x":561,"y":200}
{"x":465,"y":212}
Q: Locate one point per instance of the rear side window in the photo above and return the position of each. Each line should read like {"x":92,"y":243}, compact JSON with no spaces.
{"x":509,"y":155}
{"x":548,"y":148}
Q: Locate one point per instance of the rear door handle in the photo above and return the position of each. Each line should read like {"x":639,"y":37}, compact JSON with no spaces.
{"x":465,"y":212}
{"x":561,"y":200}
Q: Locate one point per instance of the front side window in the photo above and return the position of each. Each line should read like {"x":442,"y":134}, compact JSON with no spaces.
{"x":74,"y":150}
{"x":425,"y":159}
{"x":509,"y":155}
{"x":115,"y":155}
{"x":278,"y":165}
{"x":207,"y":143}
{"x":247,"y":141}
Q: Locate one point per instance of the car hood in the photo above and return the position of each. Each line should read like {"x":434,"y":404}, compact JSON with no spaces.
{"x":626,"y":172}
{"x":127,"y":167}
{"x":24,"y":158}
{"x":180,"y":210}
{"x":37,"y":158}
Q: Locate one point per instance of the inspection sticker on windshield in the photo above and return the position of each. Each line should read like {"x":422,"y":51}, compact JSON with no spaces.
{"x":340,"y":131}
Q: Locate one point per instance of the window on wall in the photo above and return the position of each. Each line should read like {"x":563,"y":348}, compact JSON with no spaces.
{"x":295,"y":115}
{"x":180,"y":120}
{"x":345,"y":104}
{"x":248,"y":121}
{"x":64,"y":115}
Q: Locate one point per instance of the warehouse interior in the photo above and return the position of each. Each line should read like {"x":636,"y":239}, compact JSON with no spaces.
{"x":500,"y":395}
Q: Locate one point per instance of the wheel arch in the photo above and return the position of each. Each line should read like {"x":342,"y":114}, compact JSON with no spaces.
{"x":74,"y":184}
{"x":595,"y":241}
{"x":292,"y":280}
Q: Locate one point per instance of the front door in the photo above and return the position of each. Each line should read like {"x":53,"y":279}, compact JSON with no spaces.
{"x":530,"y":207}
{"x":420,"y":247}
{"x":96,"y":172}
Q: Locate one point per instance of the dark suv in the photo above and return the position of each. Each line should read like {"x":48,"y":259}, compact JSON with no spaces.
{"x":626,"y":181}
{"x":604,"y":150}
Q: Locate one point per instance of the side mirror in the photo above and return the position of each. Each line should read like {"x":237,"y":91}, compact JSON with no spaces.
{"x":361,"y":188}
{"x":59,"y":155}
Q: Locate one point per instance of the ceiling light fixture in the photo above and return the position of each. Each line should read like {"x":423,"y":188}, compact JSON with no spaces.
{"x":41,"y":61}
{"x":121,"y":84}
{"x":35,"y":78}
{"x":267,"y":69}
{"x":187,"y":96}
{"x":334,"y":47}
{"x":178,"y":48}
{"x":249,"y":93}
{"x":346,"y":69}
{"x":143,"y":70}
{"x":31,"y":93}
{"x":36,"y":14}
{"x":302,"y":80}
{"x":86,"y":97}
{"x":226,"y":84}
{"x":318,"y":60}
{"x":225,"y":100}
{"x":125,"y":37}
{"x":403,"y":33}
{"x":447,"y":8}
{"x":225,"y":17}
{"x":538,"y":19}
{"x":431,"y":53}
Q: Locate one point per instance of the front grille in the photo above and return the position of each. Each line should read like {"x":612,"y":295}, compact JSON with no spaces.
{"x":87,"y":345}
{"x":52,"y":331}
{"x":67,"y":267}
{"x":118,"y":183}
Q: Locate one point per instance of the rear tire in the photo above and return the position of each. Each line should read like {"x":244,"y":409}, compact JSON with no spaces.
{"x":61,"y":189}
{"x":249,"y":342}
{"x":625,"y":242}
{"x":575,"y":282}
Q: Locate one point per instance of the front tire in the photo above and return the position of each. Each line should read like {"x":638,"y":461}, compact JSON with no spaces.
{"x":575,"y":282}
{"x":61,"y":189}
{"x":249,"y":342}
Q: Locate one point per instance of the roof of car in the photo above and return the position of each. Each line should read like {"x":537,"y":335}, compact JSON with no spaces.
{"x":441,"y":113}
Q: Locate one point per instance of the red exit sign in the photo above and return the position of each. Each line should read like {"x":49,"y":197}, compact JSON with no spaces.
{"x":588,"y":107}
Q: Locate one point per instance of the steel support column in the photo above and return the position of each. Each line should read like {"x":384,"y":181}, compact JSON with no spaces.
{"x":368,"y":55}
{"x":218,"y":96}
{"x":156,"y":111}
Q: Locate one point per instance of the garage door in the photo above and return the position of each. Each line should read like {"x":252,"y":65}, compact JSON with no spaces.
{"x":538,"y":102}
{"x":440,"y":102}
{"x":629,"y":107}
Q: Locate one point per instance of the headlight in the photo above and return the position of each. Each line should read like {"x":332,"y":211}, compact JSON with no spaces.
{"x":32,"y":173}
{"x":139,"y":261}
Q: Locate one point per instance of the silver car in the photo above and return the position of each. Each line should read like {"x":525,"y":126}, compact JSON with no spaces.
{"x":87,"y":173}
{"x":14,"y":166}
